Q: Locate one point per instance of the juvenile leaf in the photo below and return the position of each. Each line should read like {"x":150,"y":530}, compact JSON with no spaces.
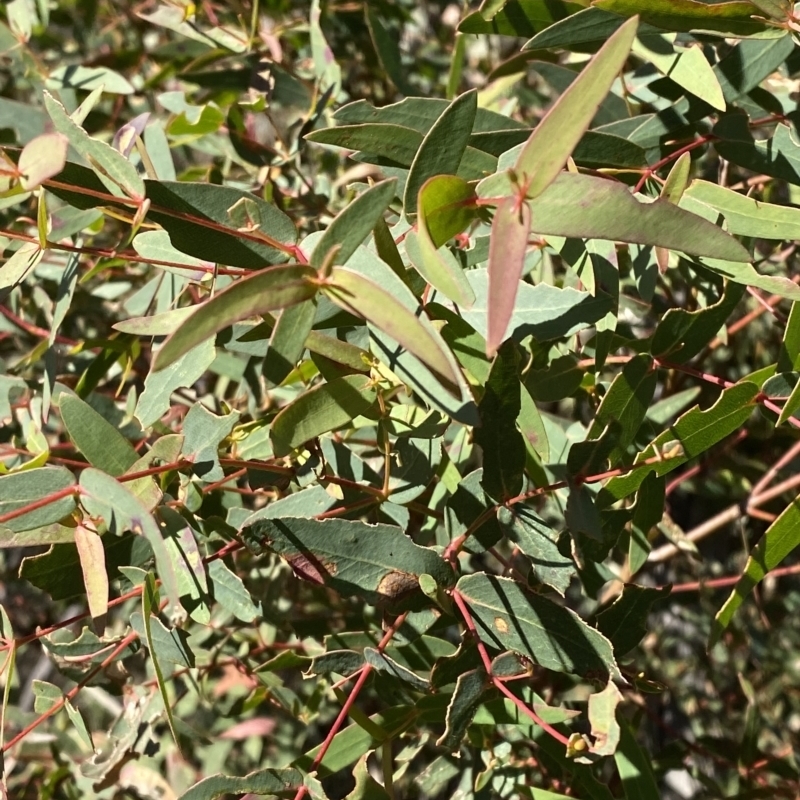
{"x":349,"y":229}
{"x":443,"y":204}
{"x":21,"y":489}
{"x":588,"y":207}
{"x":445,"y":208}
{"x":510,"y":229}
{"x":781,"y":538}
{"x":442,"y":149}
{"x":322,"y":409}
{"x":358,"y":294}
{"x":86,"y":79}
{"x":550,"y":635}
{"x":268,"y":290}
{"x":280,"y":782}
{"x":42,"y":158}
{"x":624,"y":622}
{"x":556,"y":136}
{"x":376,"y":562}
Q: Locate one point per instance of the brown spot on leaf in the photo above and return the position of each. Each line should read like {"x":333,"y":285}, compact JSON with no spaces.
{"x":309,"y":568}
{"x":501,"y":624}
{"x":397,"y":584}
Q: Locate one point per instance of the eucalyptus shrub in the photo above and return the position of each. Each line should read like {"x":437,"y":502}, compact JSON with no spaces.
{"x":374,"y":377}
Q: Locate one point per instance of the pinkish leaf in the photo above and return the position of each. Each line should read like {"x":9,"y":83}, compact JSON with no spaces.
{"x":510,"y":229}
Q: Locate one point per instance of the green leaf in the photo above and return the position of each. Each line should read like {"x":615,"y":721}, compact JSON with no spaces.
{"x":109,"y":500}
{"x":150,"y":605}
{"x":203,"y":220}
{"x":588,"y":207}
{"x":185,"y":371}
{"x":624,"y":622}
{"x":320,"y":410}
{"x":93,"y":567}
{"x":519,"y":17}
{"x":382,"y":663}
{"x":228,"y":589}
{"x":781,"y":538}
{"x":510,"y":229}
{"x":587,"y":26}
{"x":542,"y":311}
{"x":625,"y":405}
{"x":746,"y":275}
{"x":86,"y":79}
{"x":537,"y":540}
{"x":728,"y":18}
{"x":692,"y":434}
{"x":361,"y":296}
{"x":102,"y":444}
{"x":550,"y":635}
{"x":778,"y":156}
{"x":376,"y":562}
{"x":635,"y":772}
{"x":686,"y":66}
{"x":203,"y":432}
{"x":745,"y":216}
{"x":397,"y":145}
{"x":21,"y":489}
{"x":20,"y":264}
{"x":603,"y":719}
{"x":42,"y":158}
{"x":280,"y":782}
{"x":747,"y":64}
{"x":116,"y":173}
{"x":288,"y":341}
{"x":352,"y":226}
{"x":556,"y":136}
{"x":442,"y":149}
{"x":681,"y":334}
{"x":442,"y":200}
{"x":470,"y":689}
{"x":268,"y":290}
{"x":497,"y":435}
{"x":387,"y":50}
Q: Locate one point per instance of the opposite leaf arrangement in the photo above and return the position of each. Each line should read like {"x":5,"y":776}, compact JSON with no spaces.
{"x":364,"y":469}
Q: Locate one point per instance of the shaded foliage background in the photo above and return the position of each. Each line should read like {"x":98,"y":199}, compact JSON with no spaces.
{"x":192,"y":639}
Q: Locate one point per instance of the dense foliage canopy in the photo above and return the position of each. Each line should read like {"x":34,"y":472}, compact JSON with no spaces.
{"x":399,"y":400}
